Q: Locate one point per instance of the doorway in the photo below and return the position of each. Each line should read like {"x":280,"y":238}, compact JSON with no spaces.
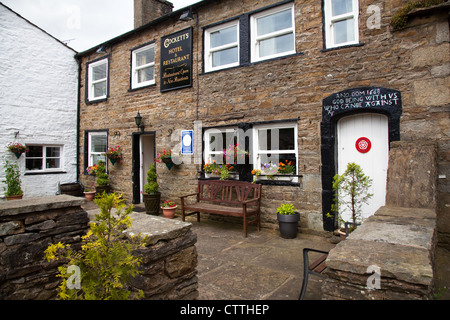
{"x":364,"y":140}
{"x":143,"y":157}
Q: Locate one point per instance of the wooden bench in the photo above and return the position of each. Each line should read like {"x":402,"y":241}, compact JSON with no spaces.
{"x":316,"y":267}
{"x":225,"y":197}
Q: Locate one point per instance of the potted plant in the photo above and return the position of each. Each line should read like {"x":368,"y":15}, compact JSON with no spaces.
{"x":351,"y":192}
{"x":152,"y":197}
{"x":114,"y":154}
{"x":89,"y":193}
{"x":168,"y":208}
{"x":167,"y":157}
{"x":17,"y":149}
{"x":288,"y":220}
{"x":92,"y":170}
{"x":102,"y":179}
{"x":212,"y":170}
{"x":13,"y":184}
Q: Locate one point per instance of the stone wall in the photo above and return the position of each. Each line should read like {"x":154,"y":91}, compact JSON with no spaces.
{"x":28,"y":227}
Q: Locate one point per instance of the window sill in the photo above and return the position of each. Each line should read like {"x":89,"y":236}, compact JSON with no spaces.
{"x":31,"y":173}
{"x":343,"y":47}
{"x":142,"y":87}
{"x":96,"y":101}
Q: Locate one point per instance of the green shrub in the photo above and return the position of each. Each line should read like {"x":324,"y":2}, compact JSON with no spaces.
{"x":106,"y":261}
{"x":151,"y":186}
{"x":102,"y":176}
{"x":12,"y":179}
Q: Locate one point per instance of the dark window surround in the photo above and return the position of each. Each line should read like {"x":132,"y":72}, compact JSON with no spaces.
{"x":86,"y":87}
{"x":86,"y":146}
{"x":245,"y":169}
{"x":244,"y":38}
{"x":131,"y":66}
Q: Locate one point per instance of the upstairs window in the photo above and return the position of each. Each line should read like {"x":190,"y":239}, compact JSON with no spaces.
{"x":341,"y":22}
{"x":222,"y":46}
{"x":97,"y":78}
{"x":143,"y":66}
{"x":272,"y":33}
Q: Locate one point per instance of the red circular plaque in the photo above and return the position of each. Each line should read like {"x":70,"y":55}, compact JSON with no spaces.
{"x":363,"y":145}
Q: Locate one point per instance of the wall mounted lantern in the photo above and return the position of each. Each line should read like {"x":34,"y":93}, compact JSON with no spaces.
{"x":186,"y":15}
{"x":138,"y":121}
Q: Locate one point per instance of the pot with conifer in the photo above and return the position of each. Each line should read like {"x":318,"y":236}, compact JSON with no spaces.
{"x":151,"y":195}
{"x":102,"y":184}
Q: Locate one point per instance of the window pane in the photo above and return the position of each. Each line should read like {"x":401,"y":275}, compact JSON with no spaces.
{"x":145,"y":74}
{"x":343,"y":31}
{"x":33,"y":164}
{"x":96,"y":158}
{"x":224,"y":36}
{"x":339,"y":7}
{"x":100,"y":89}
{"x":145,"y":57}
{"x":98,"y":143}
{"x":52,"y":164}
{"x":34,"y":151}
{"x":275,"y":22}
{"x":52,"y":152}
{"x":225,"y":57}
{"x":99,"y":72}
{"x":276,"y":139}
{"x":276,"y":45}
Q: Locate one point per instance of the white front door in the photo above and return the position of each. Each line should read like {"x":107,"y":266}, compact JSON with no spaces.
{"x":364,"y":140}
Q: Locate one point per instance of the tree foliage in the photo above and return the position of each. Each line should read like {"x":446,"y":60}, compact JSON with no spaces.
{"x":106,"y":261}
{"x":351,"y":192}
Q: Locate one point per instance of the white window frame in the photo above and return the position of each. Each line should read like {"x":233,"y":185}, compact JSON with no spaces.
{"x":207,"y":154}
{"x":255,"y":39}
{"x":330,"y":21}
{"x":91,"y":81}
{"x":44,"y":158}
{"x":210,"y":51}
{"x":92,"y":153}
{"x":134,"y":68}
{"x":257,"y":153}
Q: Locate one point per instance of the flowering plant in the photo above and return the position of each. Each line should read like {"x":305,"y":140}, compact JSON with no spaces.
{"x":168,"y":204}
{"x":234,"y":154}
{"x":212,"y":168}
{"x":269,"y":169}
{"x":114,"y":153}
{"x":92,"y":170}
{"x":17,"y":147}
{"x":163,"y":155}
{"x":286,"y":167}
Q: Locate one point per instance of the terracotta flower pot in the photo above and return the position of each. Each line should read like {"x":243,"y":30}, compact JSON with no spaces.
{"x":169,"y":212}
{"x":89,"y":195}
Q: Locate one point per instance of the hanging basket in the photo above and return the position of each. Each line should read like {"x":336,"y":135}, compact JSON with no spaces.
{"x":168,"y":161}
{"x":18,"y":154}
{"x":113,"y":160}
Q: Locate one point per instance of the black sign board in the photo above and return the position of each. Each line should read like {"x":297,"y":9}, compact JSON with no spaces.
{"x":176,"y":60}
{"x":375,"y":98}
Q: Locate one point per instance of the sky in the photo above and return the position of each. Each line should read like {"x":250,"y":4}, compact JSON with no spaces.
{"x":81,"y":24}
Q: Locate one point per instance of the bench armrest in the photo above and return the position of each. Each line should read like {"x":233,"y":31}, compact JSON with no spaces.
{"x":251,"y":200}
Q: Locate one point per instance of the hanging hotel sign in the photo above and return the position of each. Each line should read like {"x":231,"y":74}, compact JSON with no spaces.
{"x":176,"y":60}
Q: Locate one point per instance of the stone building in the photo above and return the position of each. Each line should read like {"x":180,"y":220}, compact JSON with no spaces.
{"x":42,"y":117}
{"x":314,"y":83}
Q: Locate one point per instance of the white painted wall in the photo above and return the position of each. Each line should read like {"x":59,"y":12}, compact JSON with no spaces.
{"x":38,"y":99}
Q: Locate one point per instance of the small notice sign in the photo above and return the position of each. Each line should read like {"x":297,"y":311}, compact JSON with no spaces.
{"x":176,"y":60}
{"x":187,"y":145}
